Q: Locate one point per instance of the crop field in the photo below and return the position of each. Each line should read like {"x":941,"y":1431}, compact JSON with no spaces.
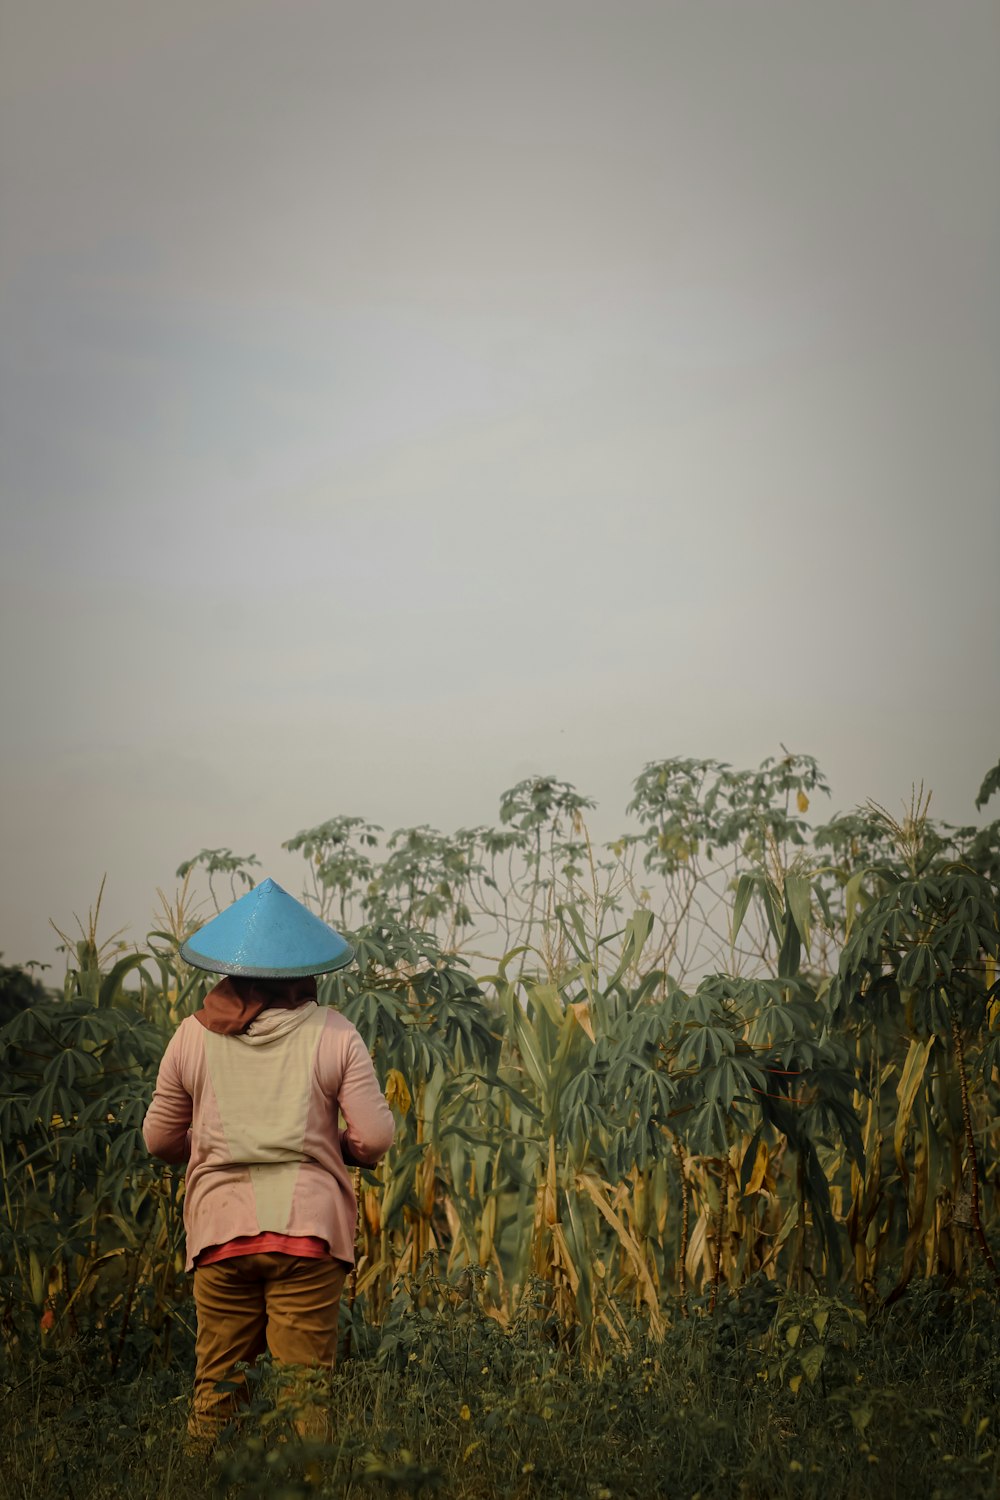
{"x":695,"y":1185}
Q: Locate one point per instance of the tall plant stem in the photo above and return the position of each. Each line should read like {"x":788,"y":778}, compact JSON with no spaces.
{"x":685,"y":1209}
{"x":352,"y":1294}
{"x":723,"y":1200}
{"x":970,"y":1141}
{"x":10,"y":1218}
{"x":799,"y":1267}
{"x":130,"y":1297}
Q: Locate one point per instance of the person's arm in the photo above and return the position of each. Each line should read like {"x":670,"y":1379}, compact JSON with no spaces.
{"x":370,"y":1126}
{"x":167,"y":1126}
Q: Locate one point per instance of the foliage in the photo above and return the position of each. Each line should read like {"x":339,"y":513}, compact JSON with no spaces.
{"x":18,"y":990}
{"x":451,"y":1402}
{"x":214,"y":862}
{"x":990,"y":786}
{"x":729,"y":1049}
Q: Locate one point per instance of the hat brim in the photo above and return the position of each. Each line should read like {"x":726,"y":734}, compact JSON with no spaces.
{"x":249,"y":971}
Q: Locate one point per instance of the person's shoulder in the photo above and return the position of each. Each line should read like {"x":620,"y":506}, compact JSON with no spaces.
{"x":184,"y":1046}
{"x":335,"y":1022}
{"x":189,"y":1032}
{"x":339,"y":1032}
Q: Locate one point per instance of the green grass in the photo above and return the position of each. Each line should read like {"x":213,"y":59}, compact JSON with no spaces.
{"x":447,"y":1402}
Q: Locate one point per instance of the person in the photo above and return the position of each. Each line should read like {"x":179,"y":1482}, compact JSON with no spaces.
{"x":249,"y":1095}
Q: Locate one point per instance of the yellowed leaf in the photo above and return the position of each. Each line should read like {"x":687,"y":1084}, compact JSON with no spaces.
{"x":907,"y":1092}
{"x":581,"y":1009}
{"x":594,"y":1189}
{"x":759,"y":1169}
{"x":396,"y":1091}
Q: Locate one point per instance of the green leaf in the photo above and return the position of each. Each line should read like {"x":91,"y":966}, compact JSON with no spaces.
{"x":799,"y":900}
{"x":791,"y":949}
{"x":528,"y":1046}
{"x":744,"y":890}
{"x":637,"y":930}
{"x":578,"y":937}
{"x":772,"y":909}
{"x":111,"y":983}
{"x":812,"y":1361}
{"x":546,"y":998}
{"x":852,"y":893}
{"x":991,"y":784}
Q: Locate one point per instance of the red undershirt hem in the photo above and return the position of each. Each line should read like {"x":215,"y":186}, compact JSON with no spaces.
{"x":306,"y":1245}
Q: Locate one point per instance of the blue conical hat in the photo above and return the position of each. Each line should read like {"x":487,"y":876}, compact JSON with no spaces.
{"x":267,"y":934}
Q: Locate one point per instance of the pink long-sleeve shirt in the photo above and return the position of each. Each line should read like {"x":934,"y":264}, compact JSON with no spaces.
{"x":255,"y":1116}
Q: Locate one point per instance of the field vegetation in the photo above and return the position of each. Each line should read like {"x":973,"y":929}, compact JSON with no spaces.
{"x":694,"y":1189}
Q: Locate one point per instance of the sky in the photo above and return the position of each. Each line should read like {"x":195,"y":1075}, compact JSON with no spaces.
{"x":401,"y":399}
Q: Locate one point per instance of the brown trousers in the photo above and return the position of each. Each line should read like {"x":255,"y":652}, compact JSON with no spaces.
{"x":287,"y":1304}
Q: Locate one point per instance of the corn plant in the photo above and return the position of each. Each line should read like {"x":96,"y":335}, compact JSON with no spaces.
{"x":921,"y":964}
{"x":424,"y":1022}
{"x":91,"y":1226}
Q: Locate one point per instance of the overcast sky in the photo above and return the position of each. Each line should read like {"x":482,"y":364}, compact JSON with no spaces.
{"x":402,"y":398}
